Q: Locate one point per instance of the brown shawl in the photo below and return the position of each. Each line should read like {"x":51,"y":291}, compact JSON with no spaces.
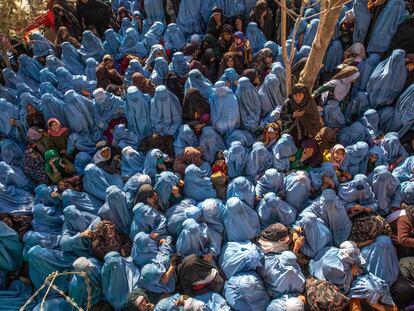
{"x":194,"y":102}
{"x":326,"y":138}
{"x":143,"y":84}
{"x":191,"y":156}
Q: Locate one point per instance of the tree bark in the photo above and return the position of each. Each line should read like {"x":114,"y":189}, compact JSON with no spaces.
{"x":286,"y":58}
{"x":330,"y":10}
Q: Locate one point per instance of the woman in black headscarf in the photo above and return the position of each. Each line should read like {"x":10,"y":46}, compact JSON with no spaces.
{"x":300,"y":114}
{"x":66,"y":15}
{"x":195,"y":107}
{"x":215,"y":23}
{"x":211,"y":61}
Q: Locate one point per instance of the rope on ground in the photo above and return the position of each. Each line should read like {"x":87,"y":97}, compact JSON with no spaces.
{"x":50,"y":279}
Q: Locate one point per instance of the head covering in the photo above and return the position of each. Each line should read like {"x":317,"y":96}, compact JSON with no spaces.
{"x":269,"y":94}
{"x":132,"y":45}
{"x":197,"y":186}
{"x":72,"y":59}
{"x":210,"y":142}
{"x":255,"y":36}
{"x":179,"y":64}
{"x":243,"y":189}
{"x":356,"y":158}
{"x":196,"y":80}
{"x":112,"y":42}
{"x":358,"y":191}
{"x":174,"y":38}
{"x":51,"y":132}
{"x":272,"y":209}
{"x":258,"y":161}
{"x":160,"y":71}
{"x":248,"y":98}
{"x":91,"y":47}
{"x":236,"y":157}
{"x":297,"y":189}
{"x":284,"y":148}
{"x":42,"y":47}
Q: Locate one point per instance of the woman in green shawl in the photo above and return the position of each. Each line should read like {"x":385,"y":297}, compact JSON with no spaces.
{"x":57,"y":167}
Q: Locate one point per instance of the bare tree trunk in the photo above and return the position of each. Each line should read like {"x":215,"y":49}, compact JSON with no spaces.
{"x":330,"y":10}
{"x":284,"y":50}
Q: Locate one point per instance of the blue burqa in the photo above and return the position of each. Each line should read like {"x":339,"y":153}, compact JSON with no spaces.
{"x":119,"y":277}
{"x":405,"y":171}
{"x":381,"y":259}
{"x":79,"y":112}
{"x":333,"y":116}
{"x":297,"y":189}
{"x":211,"y":210}
{"x":134,"y":66}
{"x":72,"y":59}
{"x":106,"y":107}
{"x":243,"y":189}
{"x":54,"y":107}
{"x":96,"y":181}
{"x":196,"y":185}
{"x":356,"y":158}
{"x":154,"y":10}
{"x":29,"y":69}
{"x":284,"y":148}
{"x":269,"y":94}
{"x":240,"y":257}
{"x":83,"y":201}
{"x":240,"y":221}
{"x":197,"y":81}
{"x":271,"y":181}
{"x":112,"y":42}
{"x":325,"y":170}
{"x":310,"y":32}
{"x":163,"y":186}
{"x":178,"y":213}
{"x":174,"y":38}
{"x":185,"y":138}
{"x":42,"y":47}
{"x":165,"y":112}
{"x":160,"y":71}
{"x":232,"y":77}
{"x":386,"y":25}
{"x":47,"y":76}
{"x":194,"y":238}
{"x":145,"y":249}
{"x":361,"y":21}
{"x":132,"y":162}
{"x":123,"y":137}
{"x":256,"y":37}
{"x":211,"y":142}
{"x":90,"y":69}
{"x":91,"y":46}
{"x":179,"y":64}
{"x":273,"y":209}
{"x":248,"y":97}
{"x":151,"y":162}
{"x":132,"y":45}
{"x":147,"y":219}
{"x":393,"y":148}
{"x":317,"y":234}
{"x":366,"y":68}
{"x":137,"y":111}
{"x":10,"y":248}
{"x":47,"y":87}
{"x":236,"y":157}
{"x":258,"y":161}
{"x":224,"y":109}
{"x":189,"y":17}
{"x":387,"y":80}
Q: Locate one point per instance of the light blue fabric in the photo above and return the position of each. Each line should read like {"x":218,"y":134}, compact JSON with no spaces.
{"x":405,"y":171}
{"x":75,"y":223}
{"x":11,"y":152}
{"x":47,"y":219}
{"x":271,"y":181}
{"x":137,"y":111}
{"x":387,"y":80}
{"x":43,"y":262}
{"x":224,"y":109}
{"x":284,"y":148}
{"x":43,"y":195}
{"x":65,"y":80}
{"x":240,"y":221}
{"x":179,"y":64}
{"x":174,"y":37}
{"x":371,"y":122}
{"x":256,"y":37}
{"x":145,"y":249}
{"x":273,"y":209}
{"x":77,"y":287}
{"x":72,"y":59}
{"x":10,"y":248}
{"x":356,"y":158}
{"x":317,"y":234}
{"x":154,"y":11}
{"x":185,"y":138}
{"x":358,"y":191}
{"x":407,"y":192}
{"x":155,"y":52}
{"x":9,"y":111}
{"x":53,"y":63}
{"x":160,"y":71}
{"x":393,"y":148}
{"x":132,"y":162}
{"x":240,"y":257}
{"x":54,"y":304}
{"x":333,"y":56}
{"x":125,"y":24}
{"x":15,"y":296}
{"x":371,"y":288}
{"x":232,"y":77}
{"x":96,"y":181}
{"x":116,"y":209}
{"x":236,"y":157}
{"x":214,"y":301}
{"x":196,"y":186}
{"x":335,"y":264}
{"x":47,"y":76}
{"x":310,"y":32}
{"x":54,"y":107}
{"x":352,"y":134}
{"x":42,"y":47}
{"x":14,"y":176}
{"x":246,"y":291}
{"x":106,"y":107}
{"x":132,"y":185}
{"x":178,"y":213}
{"x":150,"y":163}
{"x":381,"y":259}
{"x":258,"y":161}
{"x":83,"y":201}
{"x":163,"y":186}
{"x":91,"y":46}
{"x":123,"y":137}
{"x":270,"y":97}
{"x":29,"y":69}
{"x":316,"y":175}
{"x":231,"y":7}
{"x":386,"y":25}
{"x":132,"y":45}
{"x":196,"y":80}
{"x":243,"y":189}
{"x":366,"y":68}
{"x":152,"y":273}
{"x":245,"y":137}
{"x":47,"y":87}
{"x":11,"y":79}
{"x":79,"y":112}
{"x":247,"y":98}
{"x":165,"y":112}
{"x":361,"y":21}
{"x":297,"y":189}
{"x":282,"y":274}
{"x":8,"y":94}
{"x":380,"y":153}
{"x":405,"y":108}
{"x":147,"y":219}
{"x":112,"y":43}
{"x":119,"y":277}
{"x":13,"y":199}
{"x":210,"y":142}
{"x":189,"y":17}
{"x":274,"y":47}
{"x":333,"y":116}
{"x":331,"y":210}
{"x":90,"y":69}
{"x":134,"y":66}
{"x":386,"y":189}
{"x":194,"y":238}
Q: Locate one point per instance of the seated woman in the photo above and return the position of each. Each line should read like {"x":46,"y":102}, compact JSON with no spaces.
{"x":96,"y":181}
{"x":235,"y":157}
{"x":169,"y":189}
{"x":132,"y":162}
{"x":104,"y":160}
{"x":122,"y":272}
{"x":180,"y":212}
{"x":146,"y":248}
{"x":402,"y":224}
{"x":396,"y":153}
{"x":323,"y":177}
{"x":298,"y":189}
{"x":272,"y":209}
{"x":57,"y":167}
{"x":196,"y":185}
{"x":57,"y":136}
{"x":355,"y":161}
{"x":258,"y":161}
{"x":271,"y":181}
{"x":155,"y":163}
{"x":300,"y":114}
{"x":284,"y":151}
{"x":271,"y":135}
{"x":196,"y":110}
{"x":231,"y":78}
{"x":242,"y":189}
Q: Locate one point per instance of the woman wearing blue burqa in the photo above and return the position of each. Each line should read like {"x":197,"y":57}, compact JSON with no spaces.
{"x":165,"y":112}
{"x":224,"y":109}
{"x":137,"y":111}
{"x":189,"y":17}
{"x":272,"y":209}
{"x":197,"y":186}
{"x":248,"y":99}
{"x":96,"y":181}
{"x":197,"y":81}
